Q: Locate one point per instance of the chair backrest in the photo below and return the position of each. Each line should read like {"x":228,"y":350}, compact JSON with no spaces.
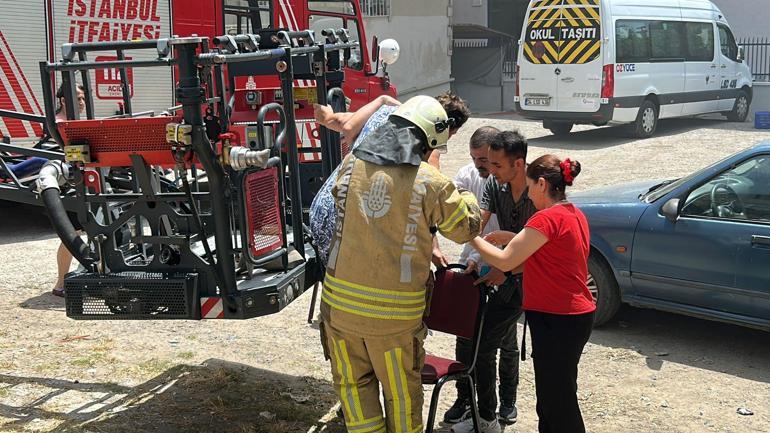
{"x":456,"y":305}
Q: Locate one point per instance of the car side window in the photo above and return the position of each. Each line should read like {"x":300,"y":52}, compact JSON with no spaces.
{"x":740,"y":193}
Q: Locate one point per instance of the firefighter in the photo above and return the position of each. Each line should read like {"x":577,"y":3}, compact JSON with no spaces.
{"x":378,"y":280}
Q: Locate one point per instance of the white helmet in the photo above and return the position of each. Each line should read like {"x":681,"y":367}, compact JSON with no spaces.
{"x":427,"y":114}
{"x":389,"y":51}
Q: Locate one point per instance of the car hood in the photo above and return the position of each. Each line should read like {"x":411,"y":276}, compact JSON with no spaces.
{"x":626,"y":193}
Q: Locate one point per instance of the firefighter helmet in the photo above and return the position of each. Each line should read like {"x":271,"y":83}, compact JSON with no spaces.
{"x":427,"y":114}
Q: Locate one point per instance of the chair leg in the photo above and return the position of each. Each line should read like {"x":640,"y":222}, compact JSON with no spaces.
{"x":434,"y":405}
{"x":474,"y":403}
{"x":312,"y":303}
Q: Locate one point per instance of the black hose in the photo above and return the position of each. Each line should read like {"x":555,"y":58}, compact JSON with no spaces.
{"x":64,"y":228}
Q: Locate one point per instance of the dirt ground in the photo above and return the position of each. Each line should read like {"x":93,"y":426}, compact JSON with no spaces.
{"x":644,"y":372}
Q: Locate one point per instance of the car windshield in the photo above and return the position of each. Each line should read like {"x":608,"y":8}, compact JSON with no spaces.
{"x":661,"y":189}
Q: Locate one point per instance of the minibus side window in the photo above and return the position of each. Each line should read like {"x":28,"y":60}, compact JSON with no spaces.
{"x":700,"y":42}
{"x":632,"y":41}
{"x":666,"y":41}
{"x":727,"y":43}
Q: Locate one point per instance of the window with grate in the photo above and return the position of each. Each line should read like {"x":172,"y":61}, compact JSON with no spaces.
{"x":375,"y":8}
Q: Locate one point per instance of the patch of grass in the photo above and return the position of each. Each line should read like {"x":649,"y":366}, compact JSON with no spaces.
{"x":4,"y":392}
{"x":155,"y":366}
{"x":96,"y":354}
{"x":188,"y":354}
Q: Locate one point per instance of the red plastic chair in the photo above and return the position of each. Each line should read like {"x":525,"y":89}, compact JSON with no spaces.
{"x":457,"y":307}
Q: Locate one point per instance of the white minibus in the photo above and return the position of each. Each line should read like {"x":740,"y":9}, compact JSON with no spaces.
{"x":628,"y":61}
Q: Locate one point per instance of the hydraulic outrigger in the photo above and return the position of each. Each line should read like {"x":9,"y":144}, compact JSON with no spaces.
{"x":195,"y":221}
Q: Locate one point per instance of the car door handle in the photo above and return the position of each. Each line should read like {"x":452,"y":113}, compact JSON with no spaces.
{"x":713,"y":66}
{"x":723,"y":67}
{"x":760,"y":240}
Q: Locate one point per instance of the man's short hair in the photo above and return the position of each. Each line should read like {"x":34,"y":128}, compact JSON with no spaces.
{"x":484,"y":136}
{"x":512,"y":143}
{"x":455,"y":108}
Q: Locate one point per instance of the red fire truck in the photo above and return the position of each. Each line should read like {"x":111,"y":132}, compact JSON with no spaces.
{"x":34,"y":30}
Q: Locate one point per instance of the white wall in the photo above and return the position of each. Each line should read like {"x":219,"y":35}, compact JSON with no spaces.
{"x":746,"y":17}
{"x":422,"y":30}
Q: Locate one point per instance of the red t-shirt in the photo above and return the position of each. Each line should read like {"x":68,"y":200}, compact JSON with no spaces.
{"x":555,"y":275}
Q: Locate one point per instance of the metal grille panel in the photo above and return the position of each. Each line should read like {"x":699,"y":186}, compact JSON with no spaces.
{"x":111,"y":141}
{"x":130,"y":295}
{"x":263,"y":217}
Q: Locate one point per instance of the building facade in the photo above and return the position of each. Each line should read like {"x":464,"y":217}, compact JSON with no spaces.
{"x":423,"y":31}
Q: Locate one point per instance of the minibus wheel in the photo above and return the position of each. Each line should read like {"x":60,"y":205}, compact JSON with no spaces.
{"x":740,"y":108}
{"x":647,"y":120}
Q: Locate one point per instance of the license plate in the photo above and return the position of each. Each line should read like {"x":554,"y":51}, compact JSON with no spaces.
{"x":540,"y":102}
{"x":306,"y":94}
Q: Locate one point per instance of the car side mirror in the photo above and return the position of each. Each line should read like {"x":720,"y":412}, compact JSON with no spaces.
{"x":741,"y":54}
{"x":670,"y":210}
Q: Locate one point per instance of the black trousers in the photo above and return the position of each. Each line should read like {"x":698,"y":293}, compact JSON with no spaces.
{"x":498,"y":332}
{"x":557,"y":343}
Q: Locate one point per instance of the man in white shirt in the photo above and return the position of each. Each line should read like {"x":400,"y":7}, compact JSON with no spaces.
{"x":473,"y":177}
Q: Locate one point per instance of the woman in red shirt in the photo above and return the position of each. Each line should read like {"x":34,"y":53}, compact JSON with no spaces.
{"x":553,"y":248}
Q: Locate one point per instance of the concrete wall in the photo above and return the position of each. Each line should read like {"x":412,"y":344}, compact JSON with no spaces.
{"x":423,"y":32}
{"x":746,"y":17}
{"x":470,"y":12}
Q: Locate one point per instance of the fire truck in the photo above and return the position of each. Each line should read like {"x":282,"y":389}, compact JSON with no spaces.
{"x":186,"y":217}
{"x":32,"y":30}
{"x":194,"y":162}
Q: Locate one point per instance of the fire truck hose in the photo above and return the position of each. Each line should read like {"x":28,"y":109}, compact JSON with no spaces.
{"x":51,"y":175}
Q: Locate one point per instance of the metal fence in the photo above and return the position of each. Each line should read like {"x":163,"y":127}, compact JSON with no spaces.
{"x":375,"y":8}
{"x":757,"y":52}
{"x":509,"y":60}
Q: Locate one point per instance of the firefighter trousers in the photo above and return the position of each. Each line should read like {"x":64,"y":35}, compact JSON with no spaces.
{"x":361,"y":364}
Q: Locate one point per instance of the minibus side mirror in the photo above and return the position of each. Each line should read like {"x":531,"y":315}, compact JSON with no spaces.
{"x":741,"y":54}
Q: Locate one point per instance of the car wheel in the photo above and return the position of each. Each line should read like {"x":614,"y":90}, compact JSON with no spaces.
{"x":740,"y":109}
{"x":647,"y":120}
{"x":601,"y":282}
{"x":559,"y":128}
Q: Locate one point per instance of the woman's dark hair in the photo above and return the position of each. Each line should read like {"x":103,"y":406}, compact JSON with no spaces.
{"x":559,"y":174}
{"x":60,"y":95}
{"x":455,"y":108}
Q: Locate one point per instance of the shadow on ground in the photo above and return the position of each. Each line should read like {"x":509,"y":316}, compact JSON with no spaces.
{"x":23,"y":223}
{"x":44,"y":301}
{"x":217,"y":396}
{"x":666,"y":337}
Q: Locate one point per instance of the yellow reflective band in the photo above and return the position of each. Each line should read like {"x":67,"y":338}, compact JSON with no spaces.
{"x":399,"y":391}
{"x":366,"y":312}
{"x":371,"y":425}
{"x":455,"y":218}
{"x":348,"y":387}
{"x":380,"y":298}
{"x":378,"y":294}
{"x":381,"y":308}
